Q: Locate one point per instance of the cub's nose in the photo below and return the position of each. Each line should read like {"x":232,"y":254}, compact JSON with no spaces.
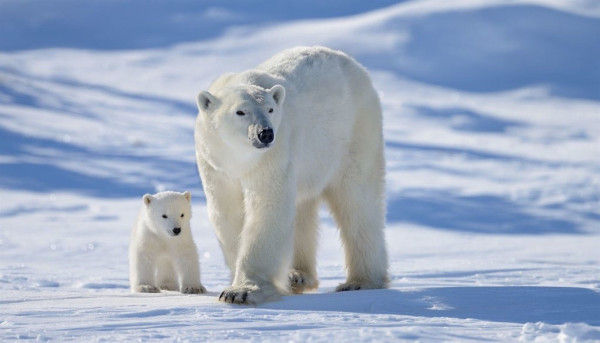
{"x":177,"y":231}
{"x":266,"y":136}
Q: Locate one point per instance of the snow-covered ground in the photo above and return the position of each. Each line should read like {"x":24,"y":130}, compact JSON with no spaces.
{"x":492,"y":128}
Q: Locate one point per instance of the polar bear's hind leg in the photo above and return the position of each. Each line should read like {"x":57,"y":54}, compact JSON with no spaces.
{"x":303,"y":275}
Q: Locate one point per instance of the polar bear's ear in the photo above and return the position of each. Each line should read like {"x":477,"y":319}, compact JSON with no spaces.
{"x":205,"y":101}
{"x":278,"y":94}
{"x":147,"y":199}
{"x":187,"y":195}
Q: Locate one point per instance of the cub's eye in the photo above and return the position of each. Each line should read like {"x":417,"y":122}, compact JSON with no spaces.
{"x":240,"y":113}
{"x":270,"y":110}
{"x":182,"y":215}
{"x":165,"y":216}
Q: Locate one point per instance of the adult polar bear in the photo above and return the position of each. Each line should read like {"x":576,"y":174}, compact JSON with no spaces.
{"x":274,"y":141}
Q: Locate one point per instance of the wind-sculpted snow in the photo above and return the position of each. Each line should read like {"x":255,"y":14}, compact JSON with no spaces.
{"x":492,"y":136}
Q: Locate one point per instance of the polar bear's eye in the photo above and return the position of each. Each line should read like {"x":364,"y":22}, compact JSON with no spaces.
{"x":182,"y":215}
{"x":270,"y":110}
{"x":240,"y":113}
{"x":165,"y":216}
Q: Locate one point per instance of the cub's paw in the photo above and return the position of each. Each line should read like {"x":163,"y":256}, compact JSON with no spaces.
{"x":193,"y":290}
{"x":146,"y":289}
{"x":301,"y":281}
{"x":248,"y":295}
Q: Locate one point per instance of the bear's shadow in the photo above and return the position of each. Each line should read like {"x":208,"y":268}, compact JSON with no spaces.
{"x":553,"y":305}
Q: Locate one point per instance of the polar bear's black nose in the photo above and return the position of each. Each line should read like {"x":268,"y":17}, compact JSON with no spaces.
{"x":266,"y":136}
{"x":177,"y":231}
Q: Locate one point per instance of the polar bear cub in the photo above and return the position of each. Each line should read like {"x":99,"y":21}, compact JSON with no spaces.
{"x":272,"y":143}
{"x":162,"y":253}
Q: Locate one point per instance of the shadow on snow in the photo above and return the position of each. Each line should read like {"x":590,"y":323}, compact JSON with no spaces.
{"x":63,"y":102}
{"x":462,"y":119}
{"x":553,"y":305}
{"x":481,"y":214}
{"x":46,"y":175}
{"x":138,"y":24}
{"x":475,"y":50}
{"x":28,"y":169}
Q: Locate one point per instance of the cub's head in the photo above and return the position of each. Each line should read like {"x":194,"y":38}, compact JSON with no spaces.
{"x":242,"y":116}
{"x":168,"y":213}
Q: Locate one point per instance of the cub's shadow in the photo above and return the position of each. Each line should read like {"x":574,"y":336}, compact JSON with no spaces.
{"x":553,"y":305}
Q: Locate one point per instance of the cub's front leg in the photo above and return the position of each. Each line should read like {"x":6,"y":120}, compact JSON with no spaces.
{"x":188,"y":268}
{"x":141,"y":272}
{"x":266,"y":241}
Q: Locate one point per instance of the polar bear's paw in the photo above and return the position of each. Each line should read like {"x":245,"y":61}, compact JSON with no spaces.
{"x":301,"y":281}
{"x":248,"y":295}
{"x":146,"y":289}
{"x":356,"y":286}
{"x":349,"y":286}
{"x":193,"y":289}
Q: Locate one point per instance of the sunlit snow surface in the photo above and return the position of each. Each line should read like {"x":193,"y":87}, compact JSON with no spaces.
{"x":492,"y":129}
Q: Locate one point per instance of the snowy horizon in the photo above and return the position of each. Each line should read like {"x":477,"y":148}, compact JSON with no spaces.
{"x":492,"y":138}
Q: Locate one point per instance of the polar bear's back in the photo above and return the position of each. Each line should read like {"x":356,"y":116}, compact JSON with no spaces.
{"x":331,"y":108}
{"x":315,"y":67}
{"x":300,"y":61}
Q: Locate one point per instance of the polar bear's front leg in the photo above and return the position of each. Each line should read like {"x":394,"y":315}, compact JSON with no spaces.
{"x":225,"y":204}
{"x":141,"y":273}
{"x":266,"y":242}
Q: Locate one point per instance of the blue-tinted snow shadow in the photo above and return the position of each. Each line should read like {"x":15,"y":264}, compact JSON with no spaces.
{"x":498,"y":48}
{"x":463,"y":119}
{"x":47,"y":176}
{"x":464,"y":152}
{"x":27,"y":170}
{"x":483,"y":49}
{"x":63,"y":101}
{"x":553,"y":305}
{"x":493,"y":214}
{"x":139,"y":24}
{"x":480,"y":214}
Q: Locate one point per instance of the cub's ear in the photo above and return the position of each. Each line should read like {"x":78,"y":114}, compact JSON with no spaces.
{"x":205,"y":101}
{"x":188,"y":196}
{"x":278,"y":94}
{"x":148,"y":199}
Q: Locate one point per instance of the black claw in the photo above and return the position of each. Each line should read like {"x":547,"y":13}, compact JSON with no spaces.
{"x":244,"y":297}
{"x":221,"y":296}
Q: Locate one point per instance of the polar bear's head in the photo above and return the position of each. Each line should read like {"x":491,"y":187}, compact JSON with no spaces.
{"x":243,"y":115}
{"x":168,"y":213}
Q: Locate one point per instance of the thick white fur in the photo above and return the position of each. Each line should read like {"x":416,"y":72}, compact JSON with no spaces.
{"x":159,"y":259}
{"x":328,"y":146}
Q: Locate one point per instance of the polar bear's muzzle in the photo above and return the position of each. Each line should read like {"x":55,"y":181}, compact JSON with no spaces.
{"x":174,"y":232}
{"x":261,"y":136}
